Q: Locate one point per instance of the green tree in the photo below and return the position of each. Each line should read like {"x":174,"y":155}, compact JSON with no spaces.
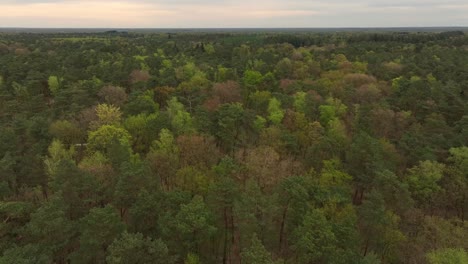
{"x":67,"y":132}
{"x":163,"y":159}
{"x":423,"y":181}
{"x":229,"y":124}
{"x":300,"y":103}
{"x":31,"y":253}
{"x":97,"y":230}
{"x":448,"y":256}
{"x":145,"y":212}
{"x":284,"y":68}
{"x":103,"y":137}
{"x":224,"y":194}
{"x":135,"y":249}
{"x":256,"y":253}
{"x":141,"y":104}
{"x":107,"y":115}
{"x":54,"y":84}
{"x":252,"y":79}
{"x":380,"y":228}
{"x":134,"y":177}
{"x":181,"y":120}
{"x":194,"y":222}
{"x":331,"y":110}
{"x":314,"y":240}
{"x":78,"y":188}
{"x":50,"y":228}
{"x":57,"y":154}
{"x":455,"y":182}
{"x":275,"y":113}
{"x":142,"y":128}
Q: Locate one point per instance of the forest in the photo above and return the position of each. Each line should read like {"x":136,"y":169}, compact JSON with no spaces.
{"x":252,"y":148}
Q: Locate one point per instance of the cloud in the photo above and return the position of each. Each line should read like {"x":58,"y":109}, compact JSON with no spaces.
{"x":230,"y":13}
{"x":415,"y":3}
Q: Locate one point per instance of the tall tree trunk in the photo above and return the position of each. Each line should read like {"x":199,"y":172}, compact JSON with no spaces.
{"x":355,"y":196}
{"x":226,"y":227}
{"x":366,"y":247}
{"x":361,"y":197}
{"x":235,"y":256}
{"x":281,"y":236}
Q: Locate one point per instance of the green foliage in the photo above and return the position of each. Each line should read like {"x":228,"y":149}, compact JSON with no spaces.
{"x":376,"y":219}
{"x":97,"y":230}
{"x":54,"y":84}
{"x":448,"y":256}
{"x":77,"y":188}
{"x":165,"y":143}
{"x":284,"y":68}
{"x":66,"y":132}
{"x":25,"y":255}
{"x":276,"y":114}
{"x":423,"y":180}
{"x":181,"y":120}
{"x":141,"y":104}
{"x":57,"y":153}
{"x":252,"y":78}
{"x":141,"y":129}
{"x":134,"y":248}
{"x":50,"y":227}
{"x":314,"y":239}
{"x":259,"y":100}
{"x":195,"y":219}
{"x":300,"y":102}
{"x":459,"y":158}
{"x":134,"y":176}
{"x":107,"y":115}
{"x":104,"y":136}
{"x":229,"y":120}
{"x":256,"y":253}
{"x":192,"y":259}
{"x":259,"y":123}
{"x":332,"y":110}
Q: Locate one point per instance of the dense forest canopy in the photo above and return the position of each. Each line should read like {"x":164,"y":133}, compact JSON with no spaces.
{"x":124,"y":147}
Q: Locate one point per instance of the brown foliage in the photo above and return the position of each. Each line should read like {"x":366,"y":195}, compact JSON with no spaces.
{"x":389,"y":124}
{"x":223,"y":93}
{"x":21,"y":51}
{"x":346,"y":66}
{"x":359,"y":79}
{"x":212,"y":103}
{"x":228,"y":92}
{"x":316,"y":97}
{"x":267,"y":167}
{"x":66,"y":131}
{"x":393,"y":67}
{"x":197,"y":150}
{"x":162,"y":94}
{"x":429,"y":233}
{"x":113,"y":95}
{"x":164,"y":167}
{"x":367,"y":93}
{"x":86,"y":117}
{"x":289,"y":120}
{"x":285,"y":84}
{"x":139,"y":76}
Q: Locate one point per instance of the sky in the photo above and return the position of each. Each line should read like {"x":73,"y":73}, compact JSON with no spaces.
{"x":231,"y":14}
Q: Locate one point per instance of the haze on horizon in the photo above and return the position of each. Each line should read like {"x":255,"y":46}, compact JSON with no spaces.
{"x":231,"y":14}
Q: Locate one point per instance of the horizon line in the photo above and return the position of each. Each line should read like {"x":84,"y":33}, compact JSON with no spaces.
{"x":249,"y":27}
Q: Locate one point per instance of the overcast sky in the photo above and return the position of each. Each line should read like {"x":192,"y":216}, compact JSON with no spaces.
{"x":230,"y":13}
